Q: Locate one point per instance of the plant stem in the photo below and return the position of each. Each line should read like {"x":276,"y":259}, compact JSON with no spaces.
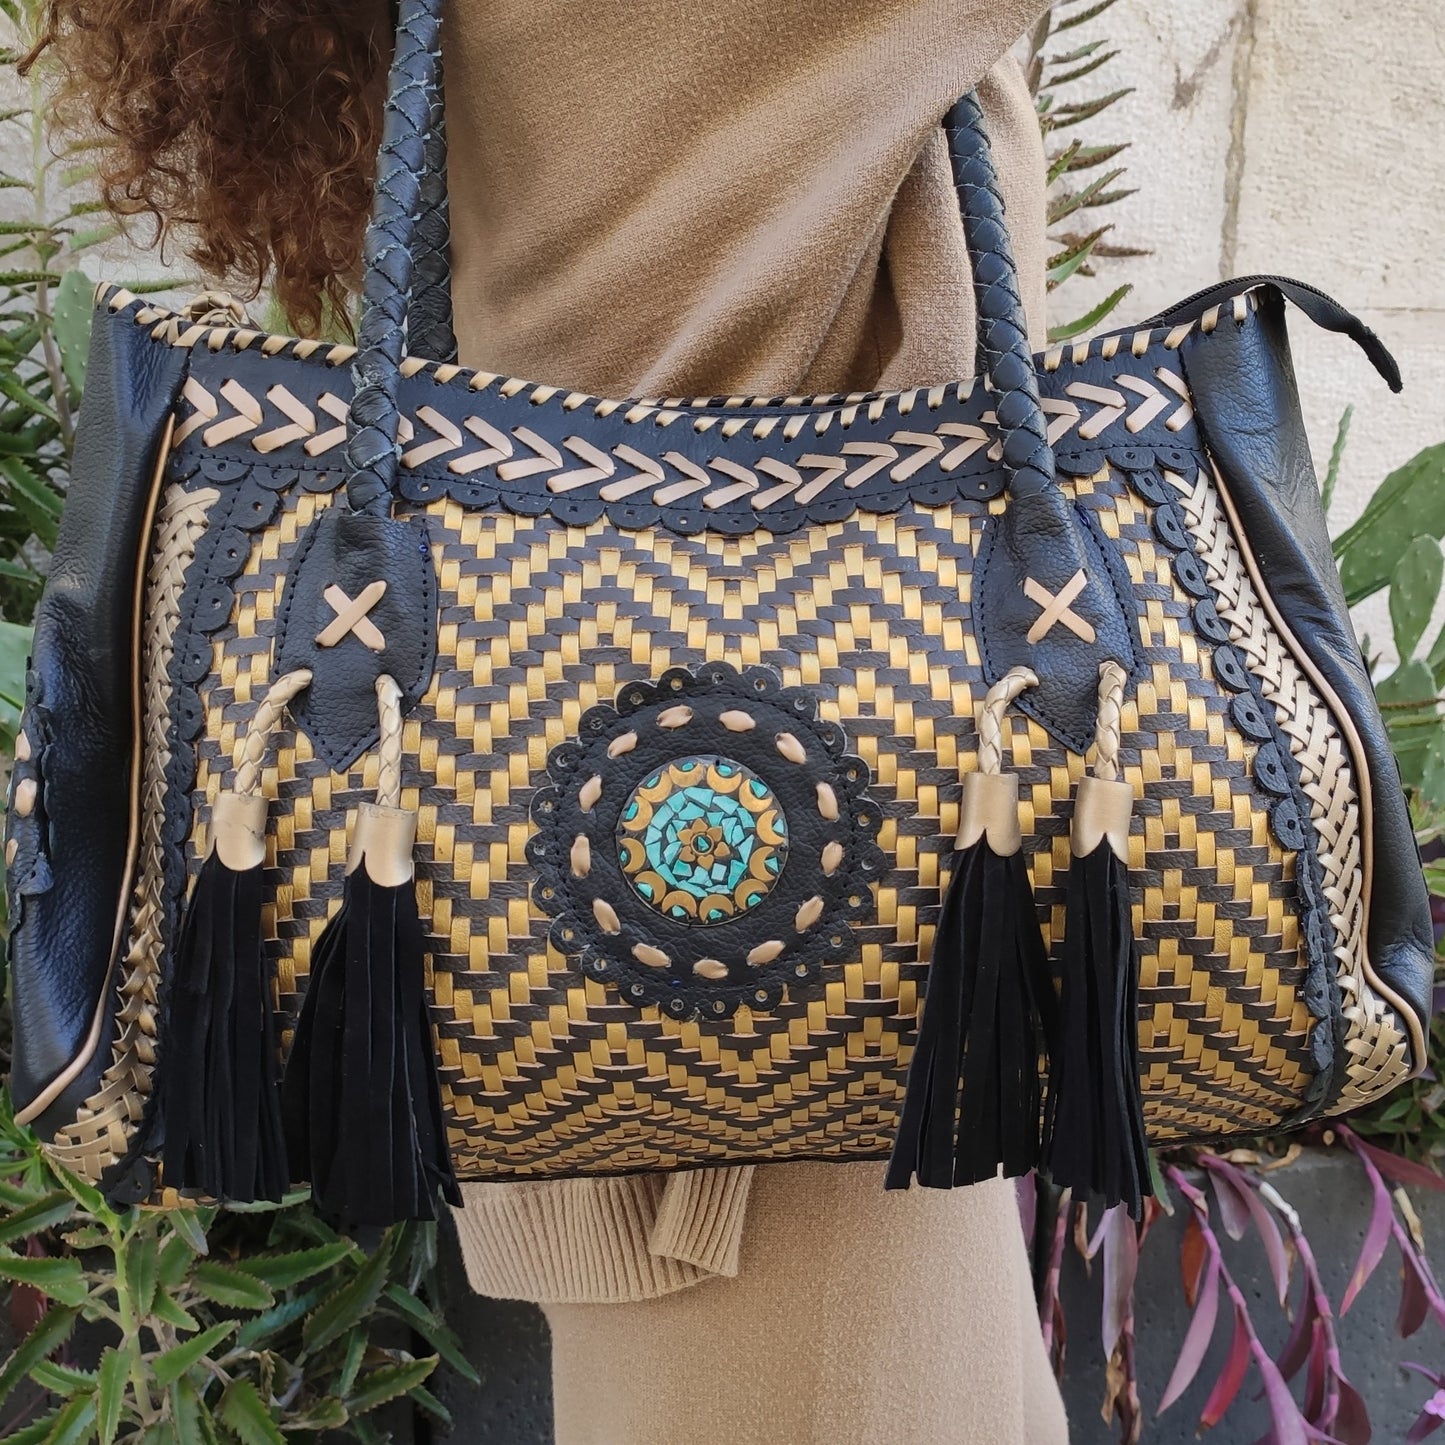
{"x":45,"y":253}
{"x":130,"y":1344}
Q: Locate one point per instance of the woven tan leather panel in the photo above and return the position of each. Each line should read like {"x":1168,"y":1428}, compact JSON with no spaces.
{"x":547,"y":1073}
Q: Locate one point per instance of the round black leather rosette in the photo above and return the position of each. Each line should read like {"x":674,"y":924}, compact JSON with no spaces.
{"x":708,"y":842}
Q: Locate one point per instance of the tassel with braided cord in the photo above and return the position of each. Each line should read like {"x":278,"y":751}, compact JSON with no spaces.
{"x":973,"y":1099}
{"x":1094,"y":1130}
{"x":363,"y":1104}
{"x":219,"y":1081}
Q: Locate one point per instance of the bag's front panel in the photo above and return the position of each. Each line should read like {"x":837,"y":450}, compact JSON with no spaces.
{"x":826,"y":833}
{"x":549,"y":1071}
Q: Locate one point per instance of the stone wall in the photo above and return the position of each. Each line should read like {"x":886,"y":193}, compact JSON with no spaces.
{"x":1305,"y":137}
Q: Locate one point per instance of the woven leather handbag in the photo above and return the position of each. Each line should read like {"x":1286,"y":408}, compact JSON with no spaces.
{"x":427,"y":774}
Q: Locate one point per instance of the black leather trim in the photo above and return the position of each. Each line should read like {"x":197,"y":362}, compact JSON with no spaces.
{"x":1247,"y":405}
{"x":354,"y":550}
{"x":943,"y":468}
{"x":65,"y":886}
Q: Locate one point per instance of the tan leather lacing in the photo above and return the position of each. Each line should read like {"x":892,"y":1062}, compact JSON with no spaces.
{"x":1000,"y":698}
{"x":1377,"y":1047}
{"x":263,"y":726}
{"x":1107,"y":730}
{"x":388,"y":699}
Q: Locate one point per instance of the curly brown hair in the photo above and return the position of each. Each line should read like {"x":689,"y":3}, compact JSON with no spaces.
{"x":252,"y":124}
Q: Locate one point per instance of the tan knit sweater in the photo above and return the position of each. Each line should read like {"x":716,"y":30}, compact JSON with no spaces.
{"x":666,"y":197}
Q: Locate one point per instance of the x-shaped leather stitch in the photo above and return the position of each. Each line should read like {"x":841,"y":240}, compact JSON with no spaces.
{"x":352,"y":617}
{"x":1058,"y":607}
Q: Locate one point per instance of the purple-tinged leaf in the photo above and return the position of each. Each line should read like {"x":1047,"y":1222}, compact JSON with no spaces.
{"x":1392,"y":1166}
{"x":1317,"y":1378}
{"x":1297,"y":1348}
{"x":1351,"y":1425}
{"x":1414,"y":1302}
{"x":1026,"y":1191}
{"x":1429,"y":1419}
{"x":1196,"y":1339}
{"x":1082,"y":1246}
{"x":1121,"y":1269}
{"x":1192,"y":1255}
{"x":1051,"y":1308}
{"x":1233,"y":1211}
{"x":1231,"y":1377}
{"x":1377,"y":1236}
{"x":1289,"y":1427}
{"x":1413,"y":1259}
{"x":1436,"y":1378}
{"x":1264,"y":1221}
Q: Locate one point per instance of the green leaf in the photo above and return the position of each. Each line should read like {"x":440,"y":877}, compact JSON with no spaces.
{"x":71,"y":314}
{"x":1090,"y":319}
{"x":1411,"y":686}
{"x":434,"y":1330}
{"x":1431,"y":772}
{"x":86,"y":1195}
{"x":1436,"y":660}
{"x":263,"y":1328}
{"x":33,"y":497}
{"x":143,"y":1270}
{"x":174,"y":1363}
{"x":76,"y":1422}
{"x":60,"y":1279}
{"x":35,"y":1432}
{"x":1414,"y":590}
{"x":243,"y":1413}
{"x":387,"y":1383}
{"x":175,"y":1259}
{"x":1082,"y":17}
{"x":1409,"y":503}
{"x":45,"y":1213}
{"x":1067,"y":262}
{"x":351,"y":1365}
{"x":1065,"y":205}
{"x":110,"y":1395}
{"x":63,"y":1380}
{"x":169,"y":1312}
{"x":52,"y":1331}
{"x":1088,"y":68}
{"x":26,"y":398}
{"x":281,"y":1271}
{"x":1337,"y":456}
{"x":327,"y":1414}
{"x":187,"y":1223}
{"x":348,"y":1305}
{"x":1063,"y":115}
{"x":227,"y":1286}
{"x":431,"y":1404}
{"x":192,"y":1420}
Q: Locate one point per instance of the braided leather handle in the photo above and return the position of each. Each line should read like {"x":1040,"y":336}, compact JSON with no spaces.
{"x":372,"y":454}
{"x":408,"y":273}
{"x":1004,"y":355}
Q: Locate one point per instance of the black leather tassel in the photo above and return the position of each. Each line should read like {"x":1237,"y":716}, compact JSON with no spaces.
{"x":974,"y":1093}
{"x":219,"y":1091}
{"x":1094,"y":1138}
{"x":363,"y":1104}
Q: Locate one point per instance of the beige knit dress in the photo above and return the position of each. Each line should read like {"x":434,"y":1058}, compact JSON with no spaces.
{"x":674,"y":198}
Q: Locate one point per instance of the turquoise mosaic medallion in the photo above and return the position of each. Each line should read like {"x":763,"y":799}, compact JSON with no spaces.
{"x":702,"y":840}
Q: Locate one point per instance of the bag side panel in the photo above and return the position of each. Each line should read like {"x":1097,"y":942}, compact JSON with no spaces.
{"x":1247,"y":405}
{"x":71,"y":830}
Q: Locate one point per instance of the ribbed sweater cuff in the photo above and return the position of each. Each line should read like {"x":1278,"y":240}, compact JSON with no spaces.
{"x":602,"y":1241}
